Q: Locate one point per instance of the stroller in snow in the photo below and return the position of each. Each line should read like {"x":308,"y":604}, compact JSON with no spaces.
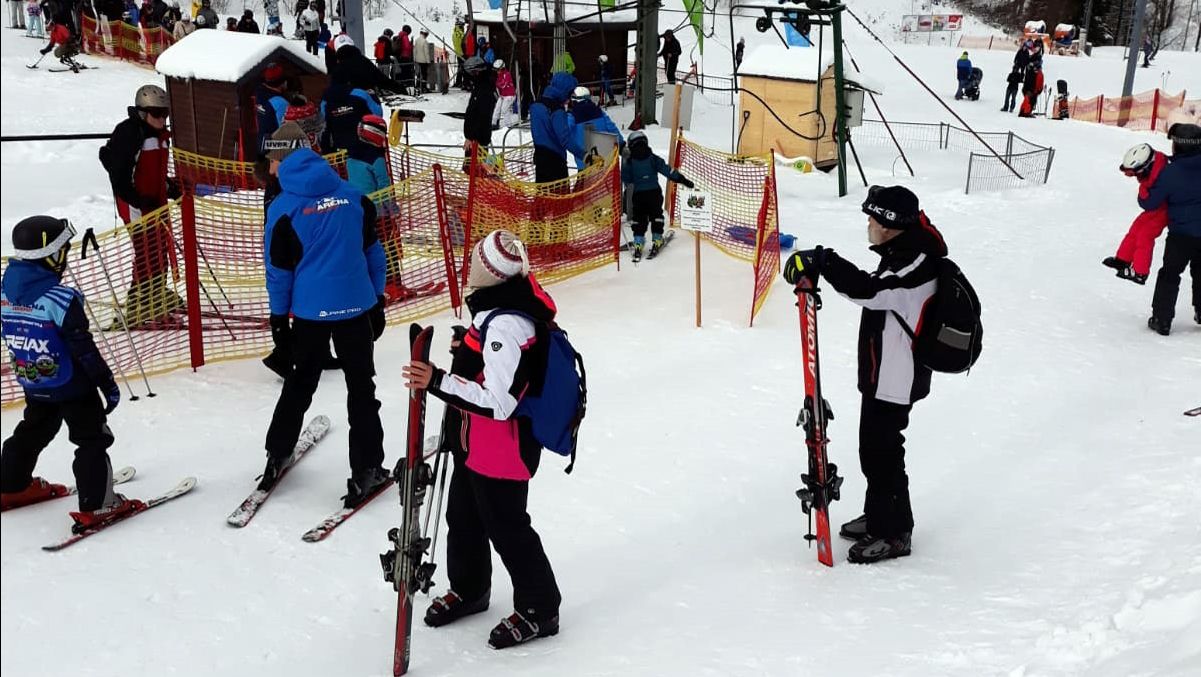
{"x":972,"y":91}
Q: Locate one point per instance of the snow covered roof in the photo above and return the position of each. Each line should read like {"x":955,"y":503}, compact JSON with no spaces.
{"x":1036,"y":26}
{"x":778,"y":61}
{"x":864,"y":81}
{"x":227,"y":56}
{"x":1064,"y":28}
{"x":545,"y":12}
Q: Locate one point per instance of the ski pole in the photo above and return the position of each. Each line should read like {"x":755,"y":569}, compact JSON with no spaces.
{"x":35,"y":63}
{"x":204,"y":289}
{"x":104,"y":339}
{"x":90,"y":236}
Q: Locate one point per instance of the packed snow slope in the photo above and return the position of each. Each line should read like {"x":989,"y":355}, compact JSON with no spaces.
{"x":1055,"y":488}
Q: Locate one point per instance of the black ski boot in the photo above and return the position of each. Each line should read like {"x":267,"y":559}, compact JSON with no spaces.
{"x":1115,"y":263}
{"x":363,"y":484}
{"x":450,"y":607}
{"x":275,"y":468}
{"x":518,"y":629}
{"x":1161,"y":327}
{"x":278,"y":363}
{"x":870,"y":549}
{"x":1129,"y":274}
{"x":855,"y":529}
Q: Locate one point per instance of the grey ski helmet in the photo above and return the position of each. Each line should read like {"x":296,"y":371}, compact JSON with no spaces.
{"x":150,"y":96}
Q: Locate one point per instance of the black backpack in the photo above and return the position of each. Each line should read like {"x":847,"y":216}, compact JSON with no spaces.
{"x":950,"y":335}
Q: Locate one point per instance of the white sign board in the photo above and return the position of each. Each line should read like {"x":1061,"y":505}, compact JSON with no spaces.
{"x":669,"y":100}
{"x":695,"y":209}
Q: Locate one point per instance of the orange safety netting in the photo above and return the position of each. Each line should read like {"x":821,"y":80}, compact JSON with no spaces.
{"x":569,"y":226}
{"x":745,"y":212}
{"x":132,"y":278}
{"x":123,"y":41}
{"x":1145,"y":111}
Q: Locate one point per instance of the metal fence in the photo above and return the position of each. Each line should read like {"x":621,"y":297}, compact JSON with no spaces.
{"x":985,"y":170}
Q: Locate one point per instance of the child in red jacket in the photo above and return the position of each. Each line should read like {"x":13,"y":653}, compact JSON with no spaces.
{"x":1133,"y":259}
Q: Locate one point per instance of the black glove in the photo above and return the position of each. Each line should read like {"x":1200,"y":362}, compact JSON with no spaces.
{"x":112,"y":396}
{"x":46,"y":51}
{"x":174,"y":192}
{"x":377,"y":319}
{"x":805,"y":263}
{"x":685,"y":182}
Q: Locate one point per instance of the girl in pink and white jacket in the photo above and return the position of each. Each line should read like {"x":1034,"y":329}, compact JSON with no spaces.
{"x":495,"y":453}
{"x":504,"y":114}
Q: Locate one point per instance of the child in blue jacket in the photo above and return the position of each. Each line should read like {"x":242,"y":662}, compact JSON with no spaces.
{"x":642,"y":171}
{"x":56,"y":363}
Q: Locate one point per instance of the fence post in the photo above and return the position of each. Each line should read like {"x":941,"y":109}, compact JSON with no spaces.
{"x":1050,"y":159}
{"x":187,"y":209}
{"x":967,"y":188}
{"x":1100,"y":106}
{"x":1008,"y":145}
{"x":1155,"y":109}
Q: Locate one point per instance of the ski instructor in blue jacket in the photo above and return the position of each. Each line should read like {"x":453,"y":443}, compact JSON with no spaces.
{"x":325,"y":268}
{"x":552,"y":131}
{"x":963,"y":72}
{"x":1179,"y":187}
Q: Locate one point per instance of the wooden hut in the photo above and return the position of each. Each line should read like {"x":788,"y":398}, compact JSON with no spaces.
{"x":591,"y":32}
{"x":211,"y":78}
{"x":783,"y":88}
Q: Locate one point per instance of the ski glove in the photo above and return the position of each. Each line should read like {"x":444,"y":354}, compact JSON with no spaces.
{"x":684,"y":181}
{"x":46,"y":51}
{"x":805,"y":263}
{"x":377,"y":319}
{"x":174,"y":192}
{"x":112,"y":396}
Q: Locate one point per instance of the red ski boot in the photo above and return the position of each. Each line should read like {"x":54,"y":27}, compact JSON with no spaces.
{"x":120,"y":508}
{"x":38,"y":490}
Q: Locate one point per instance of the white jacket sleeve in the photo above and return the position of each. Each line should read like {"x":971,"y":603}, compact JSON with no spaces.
{"x":502,"y":349}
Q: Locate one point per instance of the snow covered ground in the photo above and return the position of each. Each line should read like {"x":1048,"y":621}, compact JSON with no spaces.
{"x":1055,"y":488}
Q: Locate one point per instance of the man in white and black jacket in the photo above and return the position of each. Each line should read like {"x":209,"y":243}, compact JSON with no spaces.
{"x":889,"y":380}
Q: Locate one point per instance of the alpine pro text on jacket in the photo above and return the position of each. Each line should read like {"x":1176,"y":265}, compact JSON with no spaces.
{"x":46,"y":332}
{"x":322,"y":256}
{"x":903,"y":282}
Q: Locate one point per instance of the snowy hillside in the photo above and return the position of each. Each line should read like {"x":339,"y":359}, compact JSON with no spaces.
{"x":1055,"y":489}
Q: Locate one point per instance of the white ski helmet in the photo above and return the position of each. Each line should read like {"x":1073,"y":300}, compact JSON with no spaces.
{"x":1138,"y":159}
{"x":603,"y":58}
{"x":200,"y":20}
{"x":498,"y":64}
{"x":150,"y":96}
{"x":581,"y":93}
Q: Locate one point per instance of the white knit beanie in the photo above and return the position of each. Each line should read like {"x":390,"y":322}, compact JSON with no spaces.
{"x":496,"y":258}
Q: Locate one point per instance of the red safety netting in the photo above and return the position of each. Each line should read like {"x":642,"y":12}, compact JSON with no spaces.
{"x":569,"y":227}
{"x":745,"y":212}
{"x":1145,"y":111}
{"x":123,"y":41}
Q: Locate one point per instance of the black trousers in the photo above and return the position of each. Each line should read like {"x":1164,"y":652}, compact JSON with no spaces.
{"x":647,"y":208}
{"x":1011,"y":98}
{"x":882,"y":459}
{"x":87,"y":430}
{"x":548,"y":165}
{"x":480,"y":510}
{"x":310,"y":42}
{"x":670,"y":64}
{"x":1180,"y":251}
{"x":355,"y":346}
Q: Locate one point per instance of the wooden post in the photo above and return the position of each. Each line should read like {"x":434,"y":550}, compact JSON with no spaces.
{"x":696,"y":243}
{"x":675,"y":138}
{"x":1100,"y":106}
{"x":191,"y":249}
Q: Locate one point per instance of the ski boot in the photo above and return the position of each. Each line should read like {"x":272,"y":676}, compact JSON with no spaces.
{"x":518,"y":629}
{"x":38,"y":490}
{"x":656,"y":247}
{"x":1161,"y":327}
{"x":363,"y":484}
{"x":637,"y":248}
{"x":1115,"y":263}
{"x":870,"y":549}
{"x":450,"y":607}
{"x":854,"y":530}
{"x":1129,"y":274}
{"x":271,"y":473}
{"x":118,"y":508}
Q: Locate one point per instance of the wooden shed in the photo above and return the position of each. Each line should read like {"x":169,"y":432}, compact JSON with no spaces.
{"x":211,"y":79}
{"x":590,"y":33}
{"x":780,"y":85}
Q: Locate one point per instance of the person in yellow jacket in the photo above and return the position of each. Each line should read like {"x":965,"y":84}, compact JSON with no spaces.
{"x":564,"y":64}
{"x":456,"y":43}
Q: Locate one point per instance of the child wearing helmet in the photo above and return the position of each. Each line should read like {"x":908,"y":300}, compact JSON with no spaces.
{"x":59,"y":368}
{"x":1133,"y":258}
{"x":642,"y":171}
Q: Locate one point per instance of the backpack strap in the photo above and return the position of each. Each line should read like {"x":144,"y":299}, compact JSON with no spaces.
{"x":497,"y":313}
{"x":581,"y":412}
{"x":901,"y":321}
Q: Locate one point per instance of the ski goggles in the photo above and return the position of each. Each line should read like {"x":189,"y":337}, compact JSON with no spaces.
{"x":156,"y":111}
{"x":50,"y":248}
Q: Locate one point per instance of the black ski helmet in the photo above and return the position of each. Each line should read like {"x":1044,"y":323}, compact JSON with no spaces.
{"x":45,"y":239}
{"x":1186,"y":139}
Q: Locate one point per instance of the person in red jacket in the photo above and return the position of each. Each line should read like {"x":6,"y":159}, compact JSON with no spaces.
{"x":1133,"y":258}
{"x":136,"y":157}
{"x":1032,"y":86}
{"x":64,"y":45}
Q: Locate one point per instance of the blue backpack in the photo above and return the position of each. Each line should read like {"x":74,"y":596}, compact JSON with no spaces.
{"x":555,"y":410}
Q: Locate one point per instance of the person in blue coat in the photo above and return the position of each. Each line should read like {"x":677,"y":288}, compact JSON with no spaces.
{"x":585,"y":113}
{"x":1179,"y":187}
{"x":552,"y":131}
{"x":325,"y":269}
{"x":270,"y":102}
{"x":963,"y":72}
{"x":641,"y":171}
{"x":64,"y":377}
